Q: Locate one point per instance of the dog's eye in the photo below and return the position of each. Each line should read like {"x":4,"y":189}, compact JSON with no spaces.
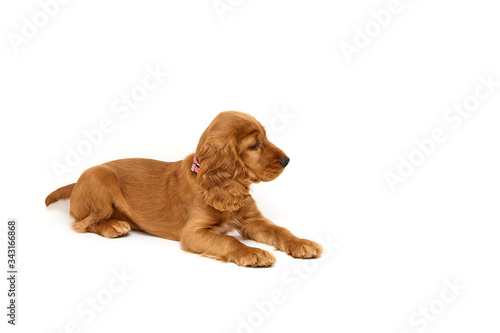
{"x":255,"y":146}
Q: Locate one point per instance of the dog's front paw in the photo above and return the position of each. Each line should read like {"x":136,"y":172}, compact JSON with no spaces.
{"x":303,"y":248}
{"x":253,"y":257}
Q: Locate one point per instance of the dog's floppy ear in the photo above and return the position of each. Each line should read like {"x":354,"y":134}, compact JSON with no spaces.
{"x":222,"y":176}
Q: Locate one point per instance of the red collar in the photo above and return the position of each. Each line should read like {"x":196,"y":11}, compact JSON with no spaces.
{"x":196,"y":165}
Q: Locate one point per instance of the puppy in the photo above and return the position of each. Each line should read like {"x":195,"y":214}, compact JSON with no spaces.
{"x":195,"y":201}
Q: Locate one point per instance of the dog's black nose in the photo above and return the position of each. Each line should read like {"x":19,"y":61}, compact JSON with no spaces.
{"x":284,"y":162}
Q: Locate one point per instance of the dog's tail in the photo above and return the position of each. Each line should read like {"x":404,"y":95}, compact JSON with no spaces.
{"x":61,"y":193}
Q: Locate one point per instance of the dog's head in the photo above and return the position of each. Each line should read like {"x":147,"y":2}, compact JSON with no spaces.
{"x":233,"y":153}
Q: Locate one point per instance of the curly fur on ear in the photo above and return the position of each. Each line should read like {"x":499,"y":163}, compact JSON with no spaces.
{"x":222,"y":177}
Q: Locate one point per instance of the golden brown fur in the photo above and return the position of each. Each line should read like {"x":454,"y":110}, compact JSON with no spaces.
{"x":168,"y":200}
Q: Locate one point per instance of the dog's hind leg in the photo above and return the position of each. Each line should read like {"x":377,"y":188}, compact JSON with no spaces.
{"x":92,"y":203}
{"x":107,"y":228}
{"x":110,"y":229}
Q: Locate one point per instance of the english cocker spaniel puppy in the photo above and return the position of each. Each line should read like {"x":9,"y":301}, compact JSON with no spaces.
{"x":195,"y":201}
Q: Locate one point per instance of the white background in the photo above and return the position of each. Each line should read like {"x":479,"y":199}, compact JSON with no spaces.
{"x":389,"y":254}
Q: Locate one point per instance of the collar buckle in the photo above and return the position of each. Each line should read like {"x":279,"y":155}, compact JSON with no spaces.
{"x":196,"y":165}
